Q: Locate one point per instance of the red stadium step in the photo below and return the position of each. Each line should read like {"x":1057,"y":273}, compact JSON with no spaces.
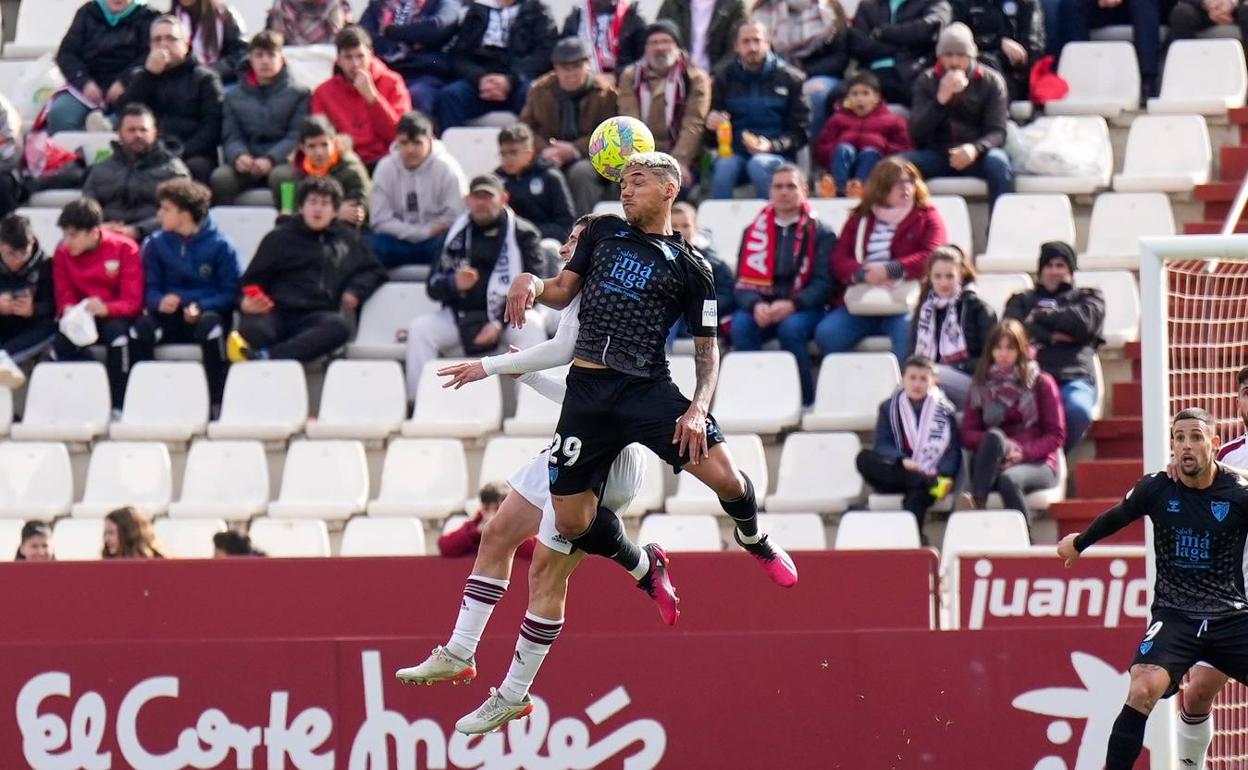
{"x":1234,"y":162}
{"x":1131,"y":352}
{"x":1212,"y":228}
{"x":1107,"y":478}
{"x":1076,"y":515}
{"x":1128,"y":399}
{"x":1118,"y":438}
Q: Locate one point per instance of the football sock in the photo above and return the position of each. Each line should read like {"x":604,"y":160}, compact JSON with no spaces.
{"x":1126,"y":740}
{"x":536,"y":636}
{"x":744,"y":511}
{"x":1195,"y":735}
{"x":480,"y":596}
{"x":605,"y":537}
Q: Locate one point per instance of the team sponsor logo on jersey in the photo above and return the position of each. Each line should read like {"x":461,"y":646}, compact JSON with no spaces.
{"x":1220,"y":509}
{"x":1191,"y":548}
{"x":710,"y":312}
{"x":628,"y":275}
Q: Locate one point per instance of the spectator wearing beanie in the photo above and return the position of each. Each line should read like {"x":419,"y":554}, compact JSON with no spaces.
{"x":858,"y":135}
{"x":27,"y":301}
{"x":536,"y":190}
{"x":959,"y":115}
{"x":409,"y":36}
{"x":1010,"y":38}
{"x":613,"y":30}
{"x":309,"y":22}
{"x":1189,"y":17}
{"x":324,"y":153}
{"x":897,"y":41}
{"x":1064,"y":324}
{"x":708,"y":26}
{"x":364,"y":98}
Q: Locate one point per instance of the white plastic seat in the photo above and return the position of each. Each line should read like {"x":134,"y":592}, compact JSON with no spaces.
{"x":127,"y":473}
{"x":504,"y":455}
{"x":310,"y":65}
{"x":878,"y":501}
{"x":223,"y":480}
{"x":188,"y":538}
{"x":252,"y":16}
{"x":758,"y":392}
{"x":961,"y":186}
{"x":684,"y":374}
{"x":360,"y":400}
{"x":536,"y":415}
{"x":43,"y":220}
{"x":1203,"y":77}
{"x":1041,"y":499}
{"x":650,"y":496}
{"x":850,"y":389}
{"x":995,"y":289}
{"x":290,"y":538}
{"x":968,"y":531}
{"x":817,"y":474}
{"x":693,"y":533}
{"x":794,"y":531}
{"x":264,"y":400}
{"x":453,"y":523}
{"x":470,"y":412}
{"x":475,"y":147}
{"x":65,"y":402}
{"x":692,"y":496}
{"x":872,"y":530}
{"x":36,"y":480}
{"x":957,"y":218}
{"x":609,"y":207}
{"x":1070,"y":184}
{"x":10,"y":535}
{"x":382,"y":537}
{"x":245,"y":226}
{"x":322,"y":480}
{"x":40,"y":27}
{"x":1119,"y":221}
{"x":165,"y":401}
{"x":833,"y":212}
{"x":1122,"y":304}
{"x":1104,"y":79}
{"x":425,"y":478}
{"x":1165,"y":153}
{"x":95,"y":146}
{"x":1020,"y":223}
{"x":78,"y":539}
{"x":726,"y":221}
{"x":384,"y":319}
{"x":53,"y":199}
{"x":6,"y":411}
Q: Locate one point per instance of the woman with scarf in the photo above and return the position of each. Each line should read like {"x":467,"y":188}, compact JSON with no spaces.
{"x":951,"y":322}
{"x":309,"y":22}
{"x":1014,"y":423}
{"x":216,"y":33}
{"x":613,"y":29}
{"x":106,"y":39}
{"x":916,"y":454}
{"x":887,"y":239}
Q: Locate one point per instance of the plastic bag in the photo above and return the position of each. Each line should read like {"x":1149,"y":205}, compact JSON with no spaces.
{"x":78,"y":326}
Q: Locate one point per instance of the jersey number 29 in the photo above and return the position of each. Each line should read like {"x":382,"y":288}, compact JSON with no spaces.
{"x":569,"y":448}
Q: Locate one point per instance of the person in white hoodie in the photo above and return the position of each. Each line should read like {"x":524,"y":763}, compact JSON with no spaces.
{"x":418,"y":191}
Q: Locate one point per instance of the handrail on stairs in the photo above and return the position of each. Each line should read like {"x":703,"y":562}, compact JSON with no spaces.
{"x":1237,"y":208}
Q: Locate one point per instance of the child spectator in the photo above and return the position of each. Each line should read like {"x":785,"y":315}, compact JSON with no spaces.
{"x":859,"y":135}
{"x":536,"y":190}
{"x":465,"y":540}
{"x":36,"y":543}
{"x":309,"y":22}
{"x":216,"y":33}
{"x":323,"y":153}
{"x":233,"y":543}
{"x":27,"y":301}
{"x":128,"y":534}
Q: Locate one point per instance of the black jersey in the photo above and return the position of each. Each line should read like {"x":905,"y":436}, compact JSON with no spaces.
{"x":1198,"y":540}
{"x":635,"y":285}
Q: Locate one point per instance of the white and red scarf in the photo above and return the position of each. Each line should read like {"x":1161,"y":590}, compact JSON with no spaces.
{"x":606,"y":41}
{"x":674,"y":95}
{"x":757,"y":260}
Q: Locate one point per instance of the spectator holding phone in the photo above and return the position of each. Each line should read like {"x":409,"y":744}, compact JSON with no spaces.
{"x":27,"y":304}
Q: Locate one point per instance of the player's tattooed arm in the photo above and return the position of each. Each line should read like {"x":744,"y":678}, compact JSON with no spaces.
{"x":691,"y":427}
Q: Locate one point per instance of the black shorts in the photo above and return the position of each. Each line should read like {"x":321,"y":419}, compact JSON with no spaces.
{"x":1176,"y":640}
{"x":605,"y":411}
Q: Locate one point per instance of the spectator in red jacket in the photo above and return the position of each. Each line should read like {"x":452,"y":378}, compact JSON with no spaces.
{"x":102,"y":269}
{"x":364,"y":98}
{"x":856,"y":137}
{"x":887,"y":239}
{"x":465,"y":540}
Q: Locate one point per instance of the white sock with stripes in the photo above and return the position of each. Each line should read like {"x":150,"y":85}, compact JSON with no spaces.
{"x":1195,"y":733}
{"x":480,"y":596}
{"x":536,"y":636}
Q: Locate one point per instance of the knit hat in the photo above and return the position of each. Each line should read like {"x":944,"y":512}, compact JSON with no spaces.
{"x":664,"y":27}
{"x":957,"y":39}
{"x":569,"y":51}
{"x":1057,"y":250}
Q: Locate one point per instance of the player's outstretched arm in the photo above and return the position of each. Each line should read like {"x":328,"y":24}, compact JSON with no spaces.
{"x":555,"y":351}
{"x":556,"y":292}
{"x":691,"y":427}
{"x":1101,"y":527}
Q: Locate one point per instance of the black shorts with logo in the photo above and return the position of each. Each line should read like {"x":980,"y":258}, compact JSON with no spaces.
{"x":1176,"y":640}
{"x":605,"y":411}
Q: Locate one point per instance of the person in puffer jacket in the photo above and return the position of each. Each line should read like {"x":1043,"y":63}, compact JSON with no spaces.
{"x":858,"y":136}
{"x":27,"y":305}
{"x":191,"y":282}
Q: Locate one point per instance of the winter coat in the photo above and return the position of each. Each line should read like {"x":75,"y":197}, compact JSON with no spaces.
{"x":201,"y":269}
{"x":720,"y":34}
{"x":414,"y":48}
{"x":92,"y":50}
{"x":540,"y":194}
{"x":914,"y":239}
{"x":894,"y":448}
{"x":372,"y":127}
{"x":1041,"y":442}
{"x":303,"y":270}
{"x":767,"y":102}
{"x":814,"y":295}
{"x":349,"y":171}
{"x":908,"y":37}
{"x":881,"y":129}
{"x":976,"y":116}
{"x":1077,"y":313}
{"x":688,"y":147}
{"x":632,"y":43}
{"x":113,"y":272}
{"x":187,"y":100}
{"x":829,"y":59}
{"x":406,"y":203}
{"x":976,"y":319}
{"x":994,"y":20}
{"x":34,"y":277}
{"x":263,"y":121}
{"x":541,"y":111}
{"x":527,"y":56}
{"x":484,"y":246}
{"x":126,"y":187}
{"x":231,"y":53}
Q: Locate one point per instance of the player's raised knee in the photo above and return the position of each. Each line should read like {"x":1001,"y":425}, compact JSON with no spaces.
{"x":1148,"y":685}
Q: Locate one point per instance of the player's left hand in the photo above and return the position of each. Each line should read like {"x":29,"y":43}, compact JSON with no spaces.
{"x":691,"y":434}
{"x":1066,"y":550}
{"x":520,"y":298}
{"x":462,"y":374}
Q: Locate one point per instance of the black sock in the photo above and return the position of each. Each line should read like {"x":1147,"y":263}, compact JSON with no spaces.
{"x":605,"y":537}
{"x":1126,"y":740}
{"x":743,"y":510}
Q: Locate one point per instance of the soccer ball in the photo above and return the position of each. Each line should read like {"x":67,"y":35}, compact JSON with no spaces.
{"x":614,"y":140}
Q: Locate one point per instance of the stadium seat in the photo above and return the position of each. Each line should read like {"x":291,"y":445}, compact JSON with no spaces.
{"x":726,"y":221}
{"x":850,"y":389}
{"x":44,"y":223}
{"x":188,"y":538}
{"x":165,"y":401}
{"x":505,"y":455}
{"x":36,"y":481}
{"x":877,"y":501}
{"x":245,"y":226}
{"x":425,"y":478}
{"x":475,"y":147}
{"x":960,"y":186}
{"x":692,"y":496}
{"x":957,"y":217}
{"x":78,"y":539}
{"x":1165,"y":153}
{"x":650,"y":496}
{"x":264,"y":400}
{"x":794,"y":531}
{"x":1041,"y":499}
{"x":1020,"y":223}
{"x":872,"y":530}
{"x":127,"y":473}
{"x":310,"y":65}
{"x":1104,"y":79}
{"x":40,"y":26}
{"x":968,"y":531}
{"x":453,"y":523}
{"x":290,"y":538}
{"x":1122,"y":304}
{"x":833,"y":212}
{"x":95,"y":146}
{"x":322,"y":480}
{"x":28,"y":85}
{"x":758,"y":392}
{"x":384,"y":319}
{"x":223,"y":480}
{"x":364,"y":400}
{"x":470,"y":412}
{"x":65,"y":402}
{"x":10,"y":535}
{"x":1201,"y":77}
{"x":684,"y":374}
{"x":1086,"y":184}
{"x":996,"y":288}
{"x":536,"y":415}
{"x":681,"y":533}
{"x":253,"y":16}
{"x":609,"y":207}
{"x":382,"y":537}
{"x":1119,"y":221}
{"x":6,"y":411}
{"x":817,"y":474}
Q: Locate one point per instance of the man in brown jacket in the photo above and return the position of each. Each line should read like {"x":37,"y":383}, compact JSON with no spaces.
{"x":671,"y":95}
{"x":563,"y":108}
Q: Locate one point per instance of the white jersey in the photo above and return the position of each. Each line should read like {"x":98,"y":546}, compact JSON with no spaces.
{"x":1235,"y":453}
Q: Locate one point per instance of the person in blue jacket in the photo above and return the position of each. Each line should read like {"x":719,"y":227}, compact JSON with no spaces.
{"x":191,"y":277}
{"x":410,"y":36}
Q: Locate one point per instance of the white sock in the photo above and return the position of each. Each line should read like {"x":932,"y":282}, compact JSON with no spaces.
{"x":480,"y":596}
{"x":536,"y":636}
{"x":1195,"y":733}
{"x":749,"y":539}
{"x":643,"y":566}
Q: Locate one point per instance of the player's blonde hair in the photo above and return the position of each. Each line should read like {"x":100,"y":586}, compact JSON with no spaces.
{"x":657,"y":162}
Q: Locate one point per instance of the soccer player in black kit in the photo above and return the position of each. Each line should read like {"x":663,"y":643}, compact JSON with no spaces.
{"x":1199,"y":612}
